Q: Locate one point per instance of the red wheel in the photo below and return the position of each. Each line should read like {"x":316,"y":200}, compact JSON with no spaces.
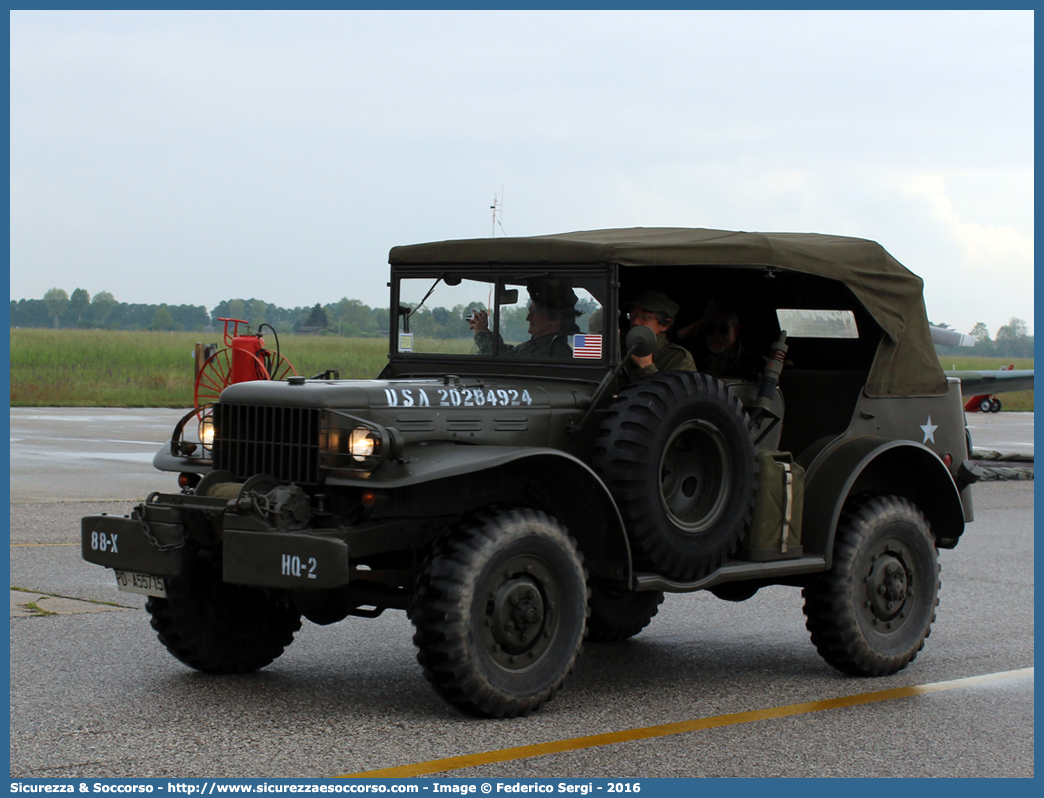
{"x":216,"y":374}
{"x":214,"y":377}
{"x":276,"y":367}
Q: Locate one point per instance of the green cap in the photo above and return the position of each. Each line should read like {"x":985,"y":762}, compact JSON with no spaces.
{"x":655,"y":302}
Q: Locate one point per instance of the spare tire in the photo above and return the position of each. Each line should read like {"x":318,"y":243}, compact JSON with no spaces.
{"x":677,"y":454}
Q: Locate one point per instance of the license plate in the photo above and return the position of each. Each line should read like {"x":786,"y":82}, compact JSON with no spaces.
{"x":147,"y":584}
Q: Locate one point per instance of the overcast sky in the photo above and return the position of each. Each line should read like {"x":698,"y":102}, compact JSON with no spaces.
{"x":190,"y":157}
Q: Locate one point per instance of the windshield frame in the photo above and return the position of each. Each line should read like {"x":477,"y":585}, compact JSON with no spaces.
{"x":497,"y":274}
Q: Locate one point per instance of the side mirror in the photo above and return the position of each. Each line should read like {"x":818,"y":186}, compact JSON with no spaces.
{"x":640,"y":341}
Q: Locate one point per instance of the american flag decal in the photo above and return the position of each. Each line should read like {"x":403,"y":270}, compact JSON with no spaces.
{"x":589,"y":346}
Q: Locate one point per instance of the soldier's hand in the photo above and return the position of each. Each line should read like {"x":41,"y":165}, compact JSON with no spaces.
{"x":642,"y":361}
{"x":479,"y":321}
{"x":690,"y":331}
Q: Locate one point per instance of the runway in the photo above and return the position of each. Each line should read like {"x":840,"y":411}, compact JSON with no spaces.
{"x":1009,"y":433}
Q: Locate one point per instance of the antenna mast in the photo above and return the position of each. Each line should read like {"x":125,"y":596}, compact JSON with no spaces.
{"x":498,"y":213}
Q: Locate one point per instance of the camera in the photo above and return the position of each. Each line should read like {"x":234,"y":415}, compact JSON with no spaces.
{"x":473,"y":315}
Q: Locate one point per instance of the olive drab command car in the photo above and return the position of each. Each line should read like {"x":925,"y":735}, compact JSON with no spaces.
{"x":506,"y":483}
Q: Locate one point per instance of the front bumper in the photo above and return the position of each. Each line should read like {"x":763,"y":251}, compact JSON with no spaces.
{"x":284,"y":559}
{"x":121,"y":542}
{"x":154,"y":538}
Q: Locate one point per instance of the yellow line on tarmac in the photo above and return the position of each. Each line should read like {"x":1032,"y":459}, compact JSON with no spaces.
{"x":650,"y":732}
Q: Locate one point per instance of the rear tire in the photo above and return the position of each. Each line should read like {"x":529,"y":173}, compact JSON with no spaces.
{"x":618,"y":615}
{"x":871,"y":612}
{"x":219,"y":628}
{"x":499,"y":611}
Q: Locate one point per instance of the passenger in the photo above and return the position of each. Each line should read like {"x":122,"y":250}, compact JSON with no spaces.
{"x":552,"y":322}
{"x":656,"y":311}
{"x":720,"y":352}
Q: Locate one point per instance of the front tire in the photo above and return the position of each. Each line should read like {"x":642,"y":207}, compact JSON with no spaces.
{"x":219,"y":628}
{"x":499,"y":611}
{"x":871,"y":612}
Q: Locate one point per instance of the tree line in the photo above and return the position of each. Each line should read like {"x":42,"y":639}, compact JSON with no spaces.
{"x":1011,"y":340}
{"x":348,"y":317}
{"x":60,"y":310}
{"x":354,"y":319}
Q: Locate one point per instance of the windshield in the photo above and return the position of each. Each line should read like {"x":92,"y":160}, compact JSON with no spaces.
{"x":531,"y":316}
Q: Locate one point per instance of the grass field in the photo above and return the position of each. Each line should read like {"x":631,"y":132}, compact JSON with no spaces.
{"x":95,"y":368}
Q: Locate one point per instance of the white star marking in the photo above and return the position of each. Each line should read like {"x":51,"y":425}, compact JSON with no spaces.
{"x":929,"y":431}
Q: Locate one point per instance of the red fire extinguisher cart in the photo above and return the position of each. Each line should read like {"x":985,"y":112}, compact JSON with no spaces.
{"x":243,"y":359}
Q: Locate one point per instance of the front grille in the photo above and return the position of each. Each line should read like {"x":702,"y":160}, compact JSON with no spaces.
{"x":281,"y":441}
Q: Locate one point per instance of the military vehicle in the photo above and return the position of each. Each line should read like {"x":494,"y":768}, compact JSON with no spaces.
{"x":515,"y":495}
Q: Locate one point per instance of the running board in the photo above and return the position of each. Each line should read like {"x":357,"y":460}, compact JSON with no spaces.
{"x":733,"y":571}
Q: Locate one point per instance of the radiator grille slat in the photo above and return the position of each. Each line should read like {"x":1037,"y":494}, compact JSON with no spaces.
{"x":258,"y":439}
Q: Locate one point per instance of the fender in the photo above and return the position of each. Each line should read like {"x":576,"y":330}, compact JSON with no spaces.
{"x":860,"y":465}
{"x":171,"y":457}
{"x":165,"y":461}
{"x":547,"y":478}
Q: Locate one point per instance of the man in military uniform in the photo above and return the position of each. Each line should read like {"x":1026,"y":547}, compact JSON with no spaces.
{"x":552,"y":322}
{"x":720,"y":353}
{"x":656,"y":310}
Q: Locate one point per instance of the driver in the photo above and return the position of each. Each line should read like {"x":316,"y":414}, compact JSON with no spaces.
{"x":552,"y":321}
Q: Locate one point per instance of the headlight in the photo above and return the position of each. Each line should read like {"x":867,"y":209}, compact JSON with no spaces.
{"x":358,"y":445}
{"x":363,"y":443}
{"x":206,"y":431}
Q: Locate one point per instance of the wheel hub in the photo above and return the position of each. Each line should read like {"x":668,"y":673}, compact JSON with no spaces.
{"x":887,"y":586}
{"x":520,"y":616}
{"x":695,"y":476}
